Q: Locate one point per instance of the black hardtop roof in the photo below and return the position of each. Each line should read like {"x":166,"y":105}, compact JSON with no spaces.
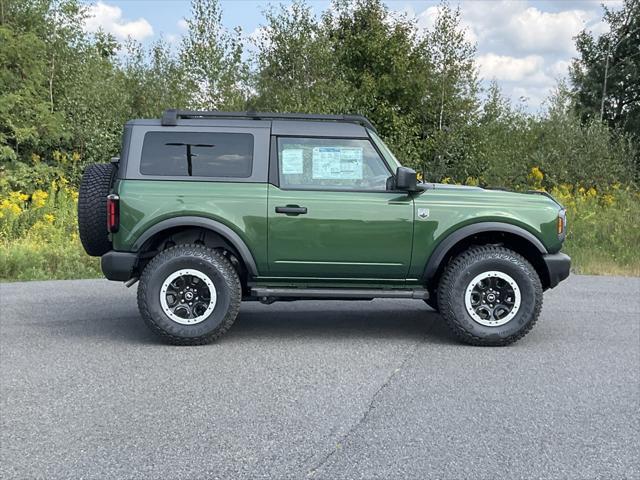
{"x":171,"y":117}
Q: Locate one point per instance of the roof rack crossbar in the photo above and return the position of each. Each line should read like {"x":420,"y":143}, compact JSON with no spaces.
{"x":170,"y":117}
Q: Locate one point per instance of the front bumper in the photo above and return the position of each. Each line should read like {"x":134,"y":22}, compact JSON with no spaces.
{"x":118,"y":265}
{"x":558,"y":267}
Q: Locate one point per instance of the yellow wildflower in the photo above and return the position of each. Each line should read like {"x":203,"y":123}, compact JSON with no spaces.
{"x":48,"y":217}
{"x":446,"y":180}
{"x":608,"y":200}
{"x":75,"y":156}
{"x":472,"y":181}
{"x":536,"y":175}
{"x":35,"y":158}
{"x":11,"y":207}
{"x":581,"y":190}
{"x":18,"y":197}
{"x":591,"y":192}
{"x":39,"y":198}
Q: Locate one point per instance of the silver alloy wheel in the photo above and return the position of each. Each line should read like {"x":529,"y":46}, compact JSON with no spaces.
{"x":188,"y":296}
{"x":492,"y":298}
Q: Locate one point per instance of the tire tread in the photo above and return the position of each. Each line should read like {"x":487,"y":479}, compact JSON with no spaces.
{"x":225,"y":268}
{"x":465,"y":260}
{"x":92,"y":208}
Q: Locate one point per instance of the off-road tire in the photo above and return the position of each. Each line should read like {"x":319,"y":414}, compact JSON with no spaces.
{"x":459,"y":274}
{"x":92,"y":208}
{"x":216,"y":267}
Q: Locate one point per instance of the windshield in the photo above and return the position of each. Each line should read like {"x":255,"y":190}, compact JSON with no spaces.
{"x":386,"y":153}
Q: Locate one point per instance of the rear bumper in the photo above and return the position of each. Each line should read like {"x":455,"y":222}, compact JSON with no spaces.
{"x":118,"y":265}
{"x":558,"y":266}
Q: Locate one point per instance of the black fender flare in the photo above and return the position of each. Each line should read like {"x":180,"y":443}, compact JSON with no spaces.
{"x":203,"y":222}
{"x":445,"y":245}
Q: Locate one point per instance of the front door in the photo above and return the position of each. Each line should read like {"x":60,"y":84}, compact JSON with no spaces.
{"x":331,"y":215}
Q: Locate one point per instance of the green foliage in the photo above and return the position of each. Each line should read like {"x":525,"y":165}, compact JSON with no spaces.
{"x":603,"y":230}
{"x":606,"y":73}
{"x":39,"y":239}
{"x":211,"y":59}
{"x":295,"y":66}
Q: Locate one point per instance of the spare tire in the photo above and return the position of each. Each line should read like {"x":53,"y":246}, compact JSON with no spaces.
{"x":92,"y":208}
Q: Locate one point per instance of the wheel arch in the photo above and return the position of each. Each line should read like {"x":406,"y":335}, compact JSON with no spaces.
{"x":166,"y":228}
{"x":487,"y":233}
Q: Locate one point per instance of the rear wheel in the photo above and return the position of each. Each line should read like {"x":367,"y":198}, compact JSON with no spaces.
{"x":490,"y":296}
{"x":189,"y":295}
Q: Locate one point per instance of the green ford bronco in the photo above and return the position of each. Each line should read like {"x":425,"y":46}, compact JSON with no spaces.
{"x":207,"y":209}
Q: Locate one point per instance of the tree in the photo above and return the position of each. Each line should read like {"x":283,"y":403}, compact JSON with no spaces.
{"x":378,"y":55}
{"x":28,"y":121}
{"x":606,"y":74}
{"x":296,"y":70}
{"x":452,"y":104}
{"x":212,"y":59}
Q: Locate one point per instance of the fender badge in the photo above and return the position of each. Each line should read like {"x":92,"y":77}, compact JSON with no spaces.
{"x":423,"y":213}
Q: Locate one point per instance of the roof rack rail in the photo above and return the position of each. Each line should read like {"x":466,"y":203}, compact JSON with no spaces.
{"x":170,"y":117}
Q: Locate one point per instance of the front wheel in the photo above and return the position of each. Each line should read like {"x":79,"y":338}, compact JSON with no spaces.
{"x":490,"y":296}
{"x":189,"y":294}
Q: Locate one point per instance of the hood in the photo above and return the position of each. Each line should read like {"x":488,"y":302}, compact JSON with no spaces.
{"x":495,"y":191}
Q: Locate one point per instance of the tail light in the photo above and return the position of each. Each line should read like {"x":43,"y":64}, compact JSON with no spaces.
{"x":113,"y":213}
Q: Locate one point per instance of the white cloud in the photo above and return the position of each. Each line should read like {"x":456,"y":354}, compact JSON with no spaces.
{"x":427,"y":19}
{"x":527,"y":47}
{"x":512,"y":69}
{"x":109,"y":19}
{"x":182,"y":24}
{"x":534,"y":30}
{"x":560,"y":68}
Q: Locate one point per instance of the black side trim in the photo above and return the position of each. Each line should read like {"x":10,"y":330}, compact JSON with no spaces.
{"x":118,"y":265}
{"x":232,"y":237}
{"x":274,"y":177}
{"x":445,"y":245}
{"x":558,"y":265}
{"x":340,"y":293}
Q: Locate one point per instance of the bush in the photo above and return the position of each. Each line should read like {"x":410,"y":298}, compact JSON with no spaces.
{"x":39,"y":237}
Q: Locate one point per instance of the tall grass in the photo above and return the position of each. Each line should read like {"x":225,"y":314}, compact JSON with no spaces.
{"x":604,"y":230}
{"x":39,"y":239}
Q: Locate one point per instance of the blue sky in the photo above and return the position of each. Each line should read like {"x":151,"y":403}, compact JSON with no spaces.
{"x":525,"y":45}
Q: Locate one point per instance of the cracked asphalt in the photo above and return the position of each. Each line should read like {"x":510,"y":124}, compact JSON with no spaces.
{"x":323,"y":390}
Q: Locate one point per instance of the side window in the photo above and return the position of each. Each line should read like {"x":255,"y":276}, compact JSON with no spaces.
{"x":330,"y":163}
{"x":197,"y":154}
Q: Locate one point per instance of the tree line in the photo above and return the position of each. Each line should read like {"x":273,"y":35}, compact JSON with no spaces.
{"x":65,"y":94}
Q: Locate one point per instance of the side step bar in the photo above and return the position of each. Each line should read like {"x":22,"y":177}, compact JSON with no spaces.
{"x":269,"y":295}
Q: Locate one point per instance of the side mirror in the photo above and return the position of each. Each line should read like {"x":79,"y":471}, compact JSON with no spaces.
{"x":406,"y":179}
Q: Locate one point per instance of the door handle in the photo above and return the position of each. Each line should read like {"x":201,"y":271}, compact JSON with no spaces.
{"x":292,"y":210}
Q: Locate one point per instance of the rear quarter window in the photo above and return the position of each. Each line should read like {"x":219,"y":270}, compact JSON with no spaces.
{"x":197,"y":154}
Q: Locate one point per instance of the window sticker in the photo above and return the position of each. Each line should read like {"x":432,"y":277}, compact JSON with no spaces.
{"x":351,"y":163}
{"x":292,"y":161}
{"x":333,"y":163}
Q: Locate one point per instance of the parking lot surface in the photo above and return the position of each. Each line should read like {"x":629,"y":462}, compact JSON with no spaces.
{"x":326,"y":390}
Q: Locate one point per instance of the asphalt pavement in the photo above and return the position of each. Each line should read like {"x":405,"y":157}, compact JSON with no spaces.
{"x":323,"y":390}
